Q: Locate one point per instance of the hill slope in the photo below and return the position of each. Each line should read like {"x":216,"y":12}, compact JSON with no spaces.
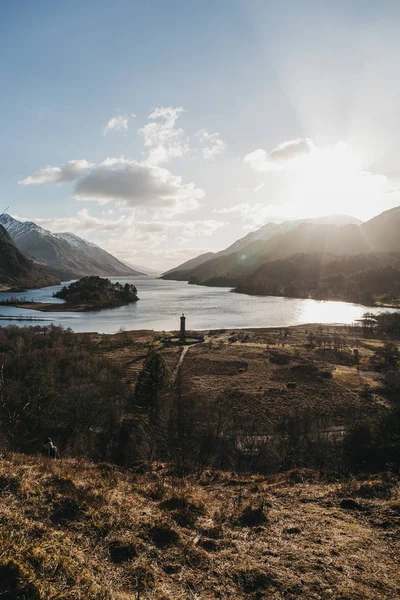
{"x":188,"y":265}
{"x":65,"y":254}
{"x":377,"y":235}
{"x":17,"y":271}
{"x":73,"y":529}
{"x":264,"y":233}
{"x":306,"y":238}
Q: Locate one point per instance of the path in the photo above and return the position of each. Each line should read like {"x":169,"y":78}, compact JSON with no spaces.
{"x":181,"y":358}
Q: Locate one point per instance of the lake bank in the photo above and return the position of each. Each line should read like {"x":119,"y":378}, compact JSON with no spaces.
{"x":162,"y":303}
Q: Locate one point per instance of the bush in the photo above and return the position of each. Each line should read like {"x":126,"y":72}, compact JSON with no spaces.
{"x":163,"y":535}
{"x":15,"y":582}
{"x":252,"y":517}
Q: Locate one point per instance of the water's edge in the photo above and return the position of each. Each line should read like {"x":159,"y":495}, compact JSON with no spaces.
{"x":163,"y":301}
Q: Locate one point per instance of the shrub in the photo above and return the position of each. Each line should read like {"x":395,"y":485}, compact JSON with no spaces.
{"x":121,"y":551}
{"x":252,"y":517}
{"x":163,"y":535}
{"x":15,"y":583}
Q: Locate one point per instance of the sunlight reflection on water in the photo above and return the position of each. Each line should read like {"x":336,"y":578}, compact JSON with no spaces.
{"x":162,"y":302}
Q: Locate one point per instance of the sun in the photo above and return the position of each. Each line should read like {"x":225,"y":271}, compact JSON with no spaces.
{"x":332,"y":181}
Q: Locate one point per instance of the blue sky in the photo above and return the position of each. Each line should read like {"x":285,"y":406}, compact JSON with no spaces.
{"x":289,"y":111}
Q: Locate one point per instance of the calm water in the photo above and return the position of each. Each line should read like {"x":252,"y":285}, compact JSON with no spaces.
{"x":162,"y":302}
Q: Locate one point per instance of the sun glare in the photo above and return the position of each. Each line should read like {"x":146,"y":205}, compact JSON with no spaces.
{"x":332,"y":181}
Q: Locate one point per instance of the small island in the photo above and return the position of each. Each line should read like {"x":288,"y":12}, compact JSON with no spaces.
{"x":88,"y":293}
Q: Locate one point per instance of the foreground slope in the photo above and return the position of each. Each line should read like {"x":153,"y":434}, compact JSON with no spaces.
{"x":73,"y":529}
{"x":65,"y":254}
{"x":17,"y":271}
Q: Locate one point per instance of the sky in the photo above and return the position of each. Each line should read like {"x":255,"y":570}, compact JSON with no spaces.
{"x":163,"y":129}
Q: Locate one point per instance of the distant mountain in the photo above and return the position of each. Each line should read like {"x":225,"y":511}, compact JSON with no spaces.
{"x":109,"y":263}
{"x":306,"y":238}
{"x":143,"y":270}
{"x":184,"y":271}
{"x":17,"y":271}
{"x":383,"y":231}
{"x":65,"y":254}
{"x":345,"y":237}
{"x":187,"y":266}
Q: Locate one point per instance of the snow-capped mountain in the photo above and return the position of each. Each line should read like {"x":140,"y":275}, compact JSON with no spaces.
{"x":65,"y":254}
{"x":17,"y":271}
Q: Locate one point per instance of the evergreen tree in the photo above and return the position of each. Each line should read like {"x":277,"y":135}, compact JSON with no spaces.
{"x":150,"y":382}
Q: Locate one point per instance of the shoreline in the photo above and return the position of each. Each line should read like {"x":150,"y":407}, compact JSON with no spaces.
{"x":61,"y":307}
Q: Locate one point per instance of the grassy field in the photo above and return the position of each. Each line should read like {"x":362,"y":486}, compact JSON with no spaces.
{"x":75,"y":530}
{"x":271,"y":371}
{"x":71,"y":529}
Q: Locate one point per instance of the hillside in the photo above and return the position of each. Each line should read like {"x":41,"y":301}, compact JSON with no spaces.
{"x":377,"y":235}
{"x":264,"y":233}
{"x":17,"y":271}
{"x":65,"y":254}
{"x":187,"y":266}
{"x":236,"y":486}
{"x":74,"y":529}
{"x":383,"y":231}
{"x":306,"y":238}
{"x":366,"y":278}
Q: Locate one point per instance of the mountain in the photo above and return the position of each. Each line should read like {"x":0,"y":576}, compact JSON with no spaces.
{"x":270,"y":229}
{"x":188,"y":266}
{"x":383,"y":230}
{"x":363,"y":278}
{"x":65,"y":254}
{"x":17,"y":271}
{"x":327,"y":236}
{"x":264,"y":233}
{"x":109,"y":263}
{"x":306,"y":238}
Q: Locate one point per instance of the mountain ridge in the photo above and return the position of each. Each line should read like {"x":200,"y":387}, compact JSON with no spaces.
{"x":64,"y":254}
{"x":301,"y":237}
{"x":16,"y":270}
{"x":264,"y":233}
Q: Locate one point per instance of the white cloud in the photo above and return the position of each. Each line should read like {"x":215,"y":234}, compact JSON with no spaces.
{"x":282,"y":157}
{"x":163,"y":140}
{"x":251,"y":215}
{"x":124,"y":181}
{"x":69,"y":172}
{"x":213,"y":144}
{"x":117,"y":123}
{"x":242,"y":209}
{"x":137,"y":184}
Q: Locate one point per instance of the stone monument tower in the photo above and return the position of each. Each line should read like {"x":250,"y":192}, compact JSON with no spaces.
{"x":183,"y":329}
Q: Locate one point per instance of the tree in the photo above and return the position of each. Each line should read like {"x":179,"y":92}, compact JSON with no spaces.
{"x":150,"y":383}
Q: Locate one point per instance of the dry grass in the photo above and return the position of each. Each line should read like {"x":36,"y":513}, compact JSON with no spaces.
{"x":74,"y":530}
{"x":259,"y":364}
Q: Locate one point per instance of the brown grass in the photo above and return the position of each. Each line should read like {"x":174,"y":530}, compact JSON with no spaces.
{"x":280,"y":537}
